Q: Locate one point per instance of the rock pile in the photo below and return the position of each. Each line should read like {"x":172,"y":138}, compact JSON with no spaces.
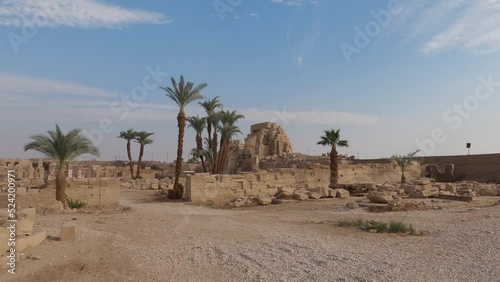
{"x":424,"y":188}
{"x":24,"y":233}
{"x":291,"y":194}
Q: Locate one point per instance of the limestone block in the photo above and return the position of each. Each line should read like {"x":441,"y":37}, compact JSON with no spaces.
{"x":300,"y":196}
{"x":425,"y":194}
{"x":28,"y":213}
{"x":342,"y":194}
{"x":322,"y":191}
{"x":314,"y":195}
{"x":68,"y":232}
{"x":410,"y":189}
{"x":264,"y":201}
{"x":380,"y":198}
{"x":30,"y":241}
{"x":24,"y":227}
{"x":488,"y":192}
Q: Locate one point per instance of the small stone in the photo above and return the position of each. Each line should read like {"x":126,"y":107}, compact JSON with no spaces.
{"x":68,"y":232}
{"x":264,"y":201}
{"x":352,"y":205}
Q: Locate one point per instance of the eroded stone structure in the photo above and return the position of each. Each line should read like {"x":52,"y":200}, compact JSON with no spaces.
{"x":267,"y":139}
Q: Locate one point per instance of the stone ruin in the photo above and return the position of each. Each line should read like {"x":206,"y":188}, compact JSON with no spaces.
{"x":267,"y":139}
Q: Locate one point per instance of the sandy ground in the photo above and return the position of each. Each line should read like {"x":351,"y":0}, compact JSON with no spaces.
{"x":156,"y":241}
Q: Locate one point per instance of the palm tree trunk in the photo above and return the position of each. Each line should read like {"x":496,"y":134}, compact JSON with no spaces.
{"x":130,"y":160}
{"x":224,"y":153}
{"x":61,"y":184}
{"x":181,"y":122}
{"x":334,"y":168}
{"x":139,"y":161}
{"x":403,"y":178}
{"x":220,"y":155}
{"x":214,"y":148}
{"x":199,"y":146}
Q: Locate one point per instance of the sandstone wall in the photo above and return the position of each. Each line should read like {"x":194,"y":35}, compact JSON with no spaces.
{"x":97,"y":193}
{"x":481,"y":168}
{"x":223,"y":188}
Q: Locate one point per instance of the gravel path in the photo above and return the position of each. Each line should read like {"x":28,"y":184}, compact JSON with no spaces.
{"x":291,"y":242}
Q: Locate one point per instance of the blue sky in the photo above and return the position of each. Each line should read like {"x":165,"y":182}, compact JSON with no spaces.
{"x":392,"y":75}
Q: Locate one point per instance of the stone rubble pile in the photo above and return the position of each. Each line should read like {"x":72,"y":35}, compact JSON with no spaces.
{"x":147,"y":184}
{"x":25,"y":236}
{"x":291,"y":194}
{"x":425,"y":188}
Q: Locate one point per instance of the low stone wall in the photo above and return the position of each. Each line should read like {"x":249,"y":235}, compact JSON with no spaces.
{"x":204,"y":187}
{"x":96,"y":193}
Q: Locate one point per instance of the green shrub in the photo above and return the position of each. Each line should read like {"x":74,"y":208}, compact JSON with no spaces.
{"x":75,"y":204}
{"x":381,"y":227}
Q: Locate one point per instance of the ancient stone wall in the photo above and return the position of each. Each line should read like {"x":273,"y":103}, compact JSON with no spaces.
{"x":481,"y":168}
{"x":223,"y":188}
{"x":96,"y":193}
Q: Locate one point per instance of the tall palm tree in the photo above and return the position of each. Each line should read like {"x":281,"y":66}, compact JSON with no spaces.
{"x":142,"y":137}
{"x":198,"y":124}
{"x":183,"y":94}
{"x":129,"y":135}
{"x":404,"y":162}
{"x":62,"y":148}
{"x":216,"y":118}
{"x":210,"y":106}
{"x":227,"y":130}
{"x":332,"y":138}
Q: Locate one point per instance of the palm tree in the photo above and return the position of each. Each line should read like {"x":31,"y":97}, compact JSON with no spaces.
{"x":142,"y":137}
{"x":198,"y":124}
{"x":62,"y":148}
{"x":129,"y":135}
{"x":404,"y":162}
{"x":216,"y":118}
{"x":183,"y":94}
{"x":227,"y":130}
{"x":211,"y":106}
{"x":332,"y":138}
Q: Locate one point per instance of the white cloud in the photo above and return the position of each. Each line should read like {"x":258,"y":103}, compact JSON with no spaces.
{"x":22,"y":85}
{"x":74,"y":13}
{"x":472,"y":25}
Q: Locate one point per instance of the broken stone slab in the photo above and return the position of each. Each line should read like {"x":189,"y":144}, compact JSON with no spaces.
{"x":323,"y":192}
{"x":342,"y":194}
{"x":380,"y":198}
{"x":300,"y":196}
{"x":314,"y":195}
{"x":264,"y":201}
{"x":24,"y":227}
{"x":68,"y":232}
{"x":30,"y":241}
{"x":422,"y":181}
{"x":488,"y":192}
{"x":28,"y":213}
{"x":425,"y":194}
{"x":284,"y":195}
{"x":410,"y":189}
